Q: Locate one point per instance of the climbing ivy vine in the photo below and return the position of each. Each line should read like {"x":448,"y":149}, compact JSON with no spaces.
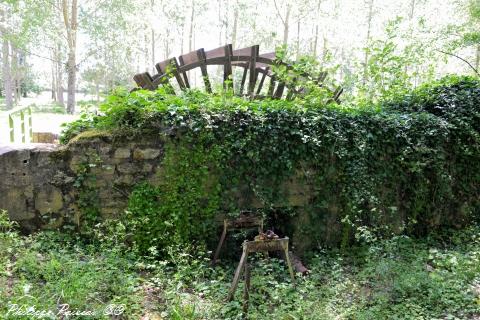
{"x":181,"y":206}
{"x":408,"y":164}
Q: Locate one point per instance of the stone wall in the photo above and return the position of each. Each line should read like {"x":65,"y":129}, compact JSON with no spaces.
{"x":40,"y":185}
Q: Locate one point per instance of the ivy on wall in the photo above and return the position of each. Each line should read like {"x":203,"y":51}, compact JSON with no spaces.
{"x":409,"y":164}
{"x":181,"y":206}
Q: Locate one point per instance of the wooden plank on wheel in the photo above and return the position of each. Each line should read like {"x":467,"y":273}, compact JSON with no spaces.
{"x":170,"y":67}
{"x":203,"y":68}
{"x":252,"y":70}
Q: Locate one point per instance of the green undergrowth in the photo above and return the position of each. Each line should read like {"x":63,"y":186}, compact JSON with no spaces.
{"x":409,"y":165}
{"x":400,"y":278}
{"x":49,"y":274}
{"x":181,"y":208}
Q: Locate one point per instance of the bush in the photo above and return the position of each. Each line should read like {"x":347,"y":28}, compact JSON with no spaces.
{"x":410,"y":164}
{"x":181,"y":208}
{"x":399,"y":278}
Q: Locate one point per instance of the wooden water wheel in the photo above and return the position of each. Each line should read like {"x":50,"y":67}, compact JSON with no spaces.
{"x":257,"y":67}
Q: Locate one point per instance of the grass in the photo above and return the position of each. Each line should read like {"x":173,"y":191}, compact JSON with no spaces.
{"x":399,"y":278}
{"x":54,"y":107}
{"x":48,"y":108}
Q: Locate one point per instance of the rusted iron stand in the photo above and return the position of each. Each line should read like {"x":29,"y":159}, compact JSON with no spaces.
{"x":242,"y":222}
{"x":257,"y":246}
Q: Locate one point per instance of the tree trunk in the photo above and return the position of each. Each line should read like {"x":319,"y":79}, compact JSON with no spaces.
{"x":54,"y":84}
{"x":58,"y":76}
{"x":220,"y":20}
{"x":15,"y":75}
{"x":410,"y":18}
{"x":477,"y":58}
{"x":153,"y":41}
{"x":286,"y":25}
{"x":369,"y":29}
{"x":227,"y":10}
{"x":315,"y":41}
{"x":190,"y":40}
{"x":6,"y":68}
{"x":298,"y":40}
{"x":167,"y":47}
{"x":60,"y":99}
{"x":153,"y":52}
{"x":182,"y":37}
{"x":97,"y":89}
{"x":235,"y":28}
{"x":190,"y":34}
{"x":412,"y":9}
{"x":71,"y":80}
{"x":70,"y":21}
{"x":146,"y":57}
{"x":22,"y":90}
{"x":341,"y":70}
{"x":167,"y":43}
{"x":6,"y":73}
{"x":324,"y":51}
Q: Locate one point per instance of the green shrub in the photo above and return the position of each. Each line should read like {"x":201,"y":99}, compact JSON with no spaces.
{"x":400,"y":278}
{"x":411,"y":164}
{"x":182,"y":207}
{"x":71,"y":129}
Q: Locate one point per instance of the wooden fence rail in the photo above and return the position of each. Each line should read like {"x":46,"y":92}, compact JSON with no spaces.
{"x":25,"y":122}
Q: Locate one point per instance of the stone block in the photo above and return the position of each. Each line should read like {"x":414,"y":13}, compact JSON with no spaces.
{"x":48,"y":200}
{"x":155,"y":179}
{"x":62,"y":179}
{"x":122,"y":153}
{"x":127,"y":167}
{"x":15,"y":202}
{"x":104,"y":171}
{"x":96,"y":183}
{"x":110,"y":212}
{"x":74,"y":212}
{"x":145,"y":154}
{"x":147,"y":167}
{"x":77,"y":161}
{"x":104,"y":150}
{"x":53,"y":223}
{"x":125,"y":179}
